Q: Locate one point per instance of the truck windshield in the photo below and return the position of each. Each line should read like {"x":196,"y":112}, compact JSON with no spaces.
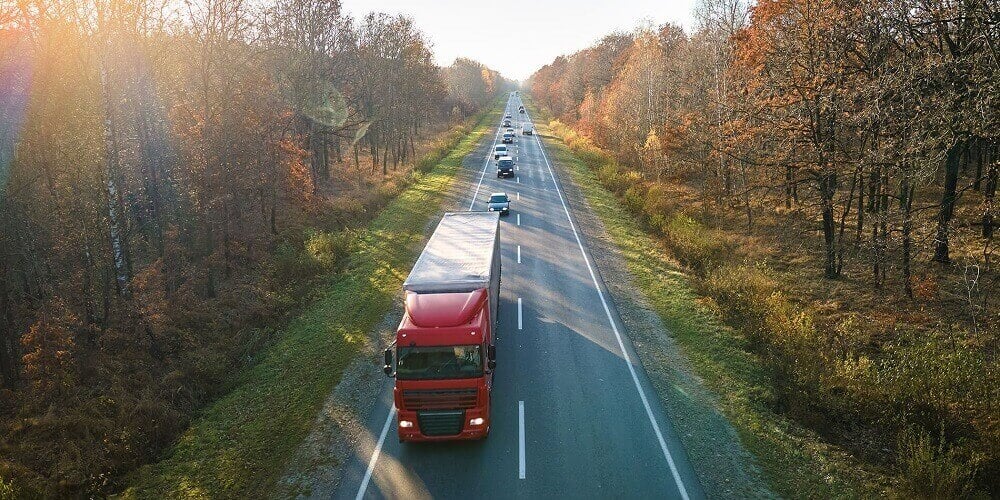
{"x":460,"y":361}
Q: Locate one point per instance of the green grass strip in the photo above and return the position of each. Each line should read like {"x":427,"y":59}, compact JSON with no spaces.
{"x":239,"y":445}
{"x":796,"y":463}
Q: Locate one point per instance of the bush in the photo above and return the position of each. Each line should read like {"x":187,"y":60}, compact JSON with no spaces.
{"x":327,"y":249}
{"x":635,"y":198}
{"x":697,"y":247}
{"x":7,"y":489}
{"x":934,"y":470}
{"x":296,"y":264}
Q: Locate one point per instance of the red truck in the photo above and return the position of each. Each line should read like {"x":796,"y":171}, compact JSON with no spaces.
{"x":444,"y":351}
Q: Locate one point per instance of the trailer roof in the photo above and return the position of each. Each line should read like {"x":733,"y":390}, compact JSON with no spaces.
{"x":459,"y":255}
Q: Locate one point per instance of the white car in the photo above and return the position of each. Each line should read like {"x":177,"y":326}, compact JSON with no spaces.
{"x":527,"y":129}
{"x":499,"y":150}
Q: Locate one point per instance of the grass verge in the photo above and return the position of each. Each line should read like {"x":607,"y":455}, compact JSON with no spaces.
{"x":238,"y":447}
{"x":796,"y":462}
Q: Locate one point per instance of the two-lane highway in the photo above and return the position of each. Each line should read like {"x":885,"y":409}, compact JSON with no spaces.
{"x":573,"y":413}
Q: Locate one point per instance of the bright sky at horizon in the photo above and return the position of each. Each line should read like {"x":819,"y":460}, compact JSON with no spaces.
{"x":502,"y":36}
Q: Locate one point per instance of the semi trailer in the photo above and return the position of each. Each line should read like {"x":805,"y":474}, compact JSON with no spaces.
{"x":444,"y":354}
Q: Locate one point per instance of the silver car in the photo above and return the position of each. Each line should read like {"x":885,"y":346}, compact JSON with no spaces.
{"x":499,"y":202}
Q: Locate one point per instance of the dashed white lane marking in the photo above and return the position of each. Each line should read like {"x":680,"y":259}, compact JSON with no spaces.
{"x":520,"y":323}
{"x":518,"y":219}
{"x":520,"y":440}
{"x":618,"y":336}
{"x":518,"y":196}
{"x":519,"y":254}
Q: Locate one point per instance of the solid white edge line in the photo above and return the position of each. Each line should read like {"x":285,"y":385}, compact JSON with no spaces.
{"x":520,"y":322}
{"x":520,"y":440}
{"x":392,"y":409}
{"x":618,"y":336}
{"x":378,"y":451}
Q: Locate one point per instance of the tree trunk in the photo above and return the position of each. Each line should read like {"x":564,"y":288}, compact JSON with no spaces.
{"x":827,"y":188}
{"x":875,"y":189}
{"x":906,"y":205}
{"x":861,"y":209}
{"x":119,"y":252}
{"x":788,"y":187}
{"x":951,"y":170}
{"x":843,"y":221}
{"x":976,"y":156}
{"x":990,"y":190}
{"x":8,"y":346}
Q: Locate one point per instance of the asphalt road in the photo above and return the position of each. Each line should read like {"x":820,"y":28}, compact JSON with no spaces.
{"x":574,"y":415}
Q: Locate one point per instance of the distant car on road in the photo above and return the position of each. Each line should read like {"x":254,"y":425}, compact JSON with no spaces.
{"x":527,"y":129}
{"x":508,"y":137}
{"x":499,"y":202}
{"x":521,"y":110}
{"x":507,"y":116}
{"x":505,"y":167}
{"x":506,"y":123}
{"x":499,"y":150}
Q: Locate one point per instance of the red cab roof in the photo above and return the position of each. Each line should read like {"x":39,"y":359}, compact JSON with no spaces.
{"x":438,"y":310}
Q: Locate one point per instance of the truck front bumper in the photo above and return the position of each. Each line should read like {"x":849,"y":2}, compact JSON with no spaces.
{"x":415,"y":434}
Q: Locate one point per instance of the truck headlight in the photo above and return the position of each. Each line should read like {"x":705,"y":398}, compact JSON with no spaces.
{"x":405,"y":423}
{"x":476,"y":421}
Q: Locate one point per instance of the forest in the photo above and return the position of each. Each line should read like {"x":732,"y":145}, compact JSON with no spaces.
{"x":826,"y":170}
{"x":174,"y":179}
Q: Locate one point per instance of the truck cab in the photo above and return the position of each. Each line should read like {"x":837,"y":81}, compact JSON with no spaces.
{"x":444,"y":350}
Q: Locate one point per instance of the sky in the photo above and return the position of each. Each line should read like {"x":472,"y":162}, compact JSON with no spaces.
{"x":518,"y":37}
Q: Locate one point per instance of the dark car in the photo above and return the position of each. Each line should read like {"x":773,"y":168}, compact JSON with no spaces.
{"x":506,"y":123}
{"x":499,"y":202}
{"x":505,"y":166}
{"x":508,"y":137}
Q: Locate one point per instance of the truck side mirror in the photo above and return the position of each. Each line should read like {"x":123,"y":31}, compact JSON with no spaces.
{"x":491,"y":357}
{"x":387,"y":367}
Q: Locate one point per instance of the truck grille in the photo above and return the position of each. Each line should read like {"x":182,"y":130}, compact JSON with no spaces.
{"x":445,"y":399}
{"x":441,"y":423}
